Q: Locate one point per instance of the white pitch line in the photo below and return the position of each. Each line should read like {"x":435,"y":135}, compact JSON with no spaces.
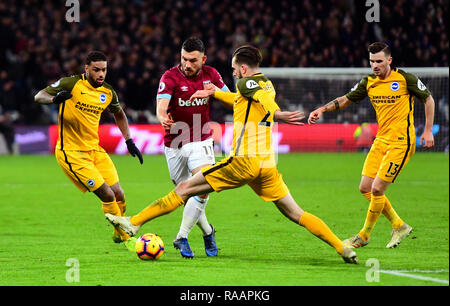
{"x":399,"y":273}
{"x":420,"y":271}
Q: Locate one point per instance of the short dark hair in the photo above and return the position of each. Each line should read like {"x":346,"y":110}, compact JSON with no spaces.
{"x":95,"y":56}
{"x":378,"y":47}
{"x":249,"y":55}
{"x":193,"y":44}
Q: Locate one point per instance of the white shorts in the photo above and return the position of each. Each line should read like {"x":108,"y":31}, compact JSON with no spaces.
{"x":181,"y":161}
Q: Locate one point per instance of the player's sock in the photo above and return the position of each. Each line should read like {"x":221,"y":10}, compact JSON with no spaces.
{"x":122,"y":207}
{"x":113,"y":209}
{"x":388,"y":211}
{"x":391,"y":215}
{"x":375,"y":209}
{"x":191,"y":214}
{"x":368,"y":196}
{"x":204,"y":225}
{"x":318,"y":228}
{"x":159,"y":207}
{"x":203,"y":221}
{"x":117,"y":230}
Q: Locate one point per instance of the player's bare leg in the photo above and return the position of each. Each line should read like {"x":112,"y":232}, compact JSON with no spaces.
{"x":105,"y":193}
{"x":315,"y":225}
{"x":195,"y":185}
{"x":365,"y":186}
{"x":194,"y":213}
{"x":120,"y":197}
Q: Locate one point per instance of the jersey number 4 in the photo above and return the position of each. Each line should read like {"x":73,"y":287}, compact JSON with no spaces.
{"x":264,"y":121}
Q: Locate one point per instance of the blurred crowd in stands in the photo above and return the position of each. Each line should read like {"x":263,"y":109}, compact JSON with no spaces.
{"x":143,"y":38}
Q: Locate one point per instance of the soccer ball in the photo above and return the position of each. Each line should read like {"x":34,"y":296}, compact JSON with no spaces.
{"x":149,"y":247}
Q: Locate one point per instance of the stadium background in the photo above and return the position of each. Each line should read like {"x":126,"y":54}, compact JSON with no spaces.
{"x":142,"y":39}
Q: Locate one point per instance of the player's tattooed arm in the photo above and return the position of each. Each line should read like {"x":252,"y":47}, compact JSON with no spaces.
{"x":335,"y":105}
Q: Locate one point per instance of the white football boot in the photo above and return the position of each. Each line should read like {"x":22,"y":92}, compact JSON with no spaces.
{"x":349,"y":255}
{"x":398,"y":235}
{"x":124,"y":223}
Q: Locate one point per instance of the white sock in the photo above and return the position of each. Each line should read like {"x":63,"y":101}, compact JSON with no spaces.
{"x":193,"y":209}
{"x":203,"y":221}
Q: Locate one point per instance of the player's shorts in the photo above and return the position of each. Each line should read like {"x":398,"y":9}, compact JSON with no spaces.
{"x":181,"y":161}
{"x":236,"y":171}
{"x":88,"y":170}
{"x":386,"y":160}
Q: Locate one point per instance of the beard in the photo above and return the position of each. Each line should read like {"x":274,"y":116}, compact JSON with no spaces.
{"x":93,"y":82}
{"x":190,"y":72}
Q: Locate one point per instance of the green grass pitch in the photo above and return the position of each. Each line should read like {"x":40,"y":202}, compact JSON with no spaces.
{"x":47,"y":225}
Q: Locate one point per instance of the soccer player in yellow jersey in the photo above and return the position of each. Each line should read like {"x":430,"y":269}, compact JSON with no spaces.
{"x":391,"y":93}
{"x":251,"y":161}
{"x":82,"y":99}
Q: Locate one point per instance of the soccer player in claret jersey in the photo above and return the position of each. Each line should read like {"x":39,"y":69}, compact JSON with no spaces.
{"x":251,"y":162}
{"x":188,"y":145}
{"x":82,"y":99}
{"x":391,"y":92}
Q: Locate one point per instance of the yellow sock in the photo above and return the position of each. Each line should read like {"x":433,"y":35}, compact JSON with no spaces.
{"x":158,"y":208}
{"x":113,"y":209}
{"x":391,"y":214}
{"x":318,"y":228}
{"x":375,"y":208}
{"x":122,"y":207}
{"x":368,"y":196}
{"x":388,"y":211}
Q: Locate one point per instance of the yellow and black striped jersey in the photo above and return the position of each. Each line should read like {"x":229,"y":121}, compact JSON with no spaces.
{"x":80,"y":115}
{"x":253,"y":112}
{"x":393,"y":101}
